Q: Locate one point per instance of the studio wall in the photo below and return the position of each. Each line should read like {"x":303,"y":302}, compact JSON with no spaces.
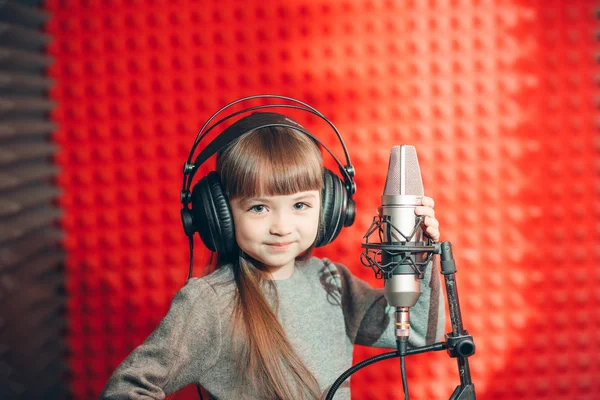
{"x":499,"y":98}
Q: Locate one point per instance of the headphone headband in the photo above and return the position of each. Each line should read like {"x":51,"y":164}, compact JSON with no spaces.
{"x":253,"y":122}
{"x":250,"y":123}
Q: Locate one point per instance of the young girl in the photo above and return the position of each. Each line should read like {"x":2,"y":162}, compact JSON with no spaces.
{"x":271,"y":322}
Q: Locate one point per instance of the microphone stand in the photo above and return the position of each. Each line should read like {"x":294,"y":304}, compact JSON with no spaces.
{"x":459,"y":344}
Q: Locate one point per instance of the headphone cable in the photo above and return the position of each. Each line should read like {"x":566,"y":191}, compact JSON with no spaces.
{"x":191,"y":240}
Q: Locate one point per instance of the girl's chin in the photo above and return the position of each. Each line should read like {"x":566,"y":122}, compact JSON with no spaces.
{"x":273,"y":260}
{"x":278,"y":261}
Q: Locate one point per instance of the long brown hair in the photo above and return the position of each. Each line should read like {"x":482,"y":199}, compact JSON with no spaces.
{"x":270,"y":161}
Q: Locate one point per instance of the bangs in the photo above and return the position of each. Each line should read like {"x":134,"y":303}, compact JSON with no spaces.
{"x":271,"y":161}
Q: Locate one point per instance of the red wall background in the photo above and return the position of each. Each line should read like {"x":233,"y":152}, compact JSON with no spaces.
{"x":499,"y":98}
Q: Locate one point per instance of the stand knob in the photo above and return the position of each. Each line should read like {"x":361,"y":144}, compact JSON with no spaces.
{"x":460,"y":346}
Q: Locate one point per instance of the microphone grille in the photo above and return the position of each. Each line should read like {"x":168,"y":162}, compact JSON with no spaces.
{"x":404,"y":174}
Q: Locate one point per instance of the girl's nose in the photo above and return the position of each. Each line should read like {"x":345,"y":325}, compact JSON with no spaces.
{"x":280,"y":225}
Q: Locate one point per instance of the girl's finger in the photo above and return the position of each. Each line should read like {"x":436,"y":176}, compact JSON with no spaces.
{"x":431,"y":222}
{"x":428,"y":202}
{"x":433,"y":233}
{"x":424,"y":210}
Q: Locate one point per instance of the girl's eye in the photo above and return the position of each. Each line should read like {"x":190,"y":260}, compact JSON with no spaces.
{"x":259,"y":208}
{"x":300,"y":206}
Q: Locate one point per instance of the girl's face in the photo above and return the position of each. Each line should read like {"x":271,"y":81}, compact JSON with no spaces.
{"x":274,"y":230}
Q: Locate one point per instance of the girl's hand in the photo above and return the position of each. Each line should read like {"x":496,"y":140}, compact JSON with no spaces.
{"x":431,"y":225}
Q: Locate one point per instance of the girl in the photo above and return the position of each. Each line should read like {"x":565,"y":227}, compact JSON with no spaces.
{"x":271,"y":322}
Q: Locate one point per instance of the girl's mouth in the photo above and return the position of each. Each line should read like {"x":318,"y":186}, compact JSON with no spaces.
{"x":280,"y":246}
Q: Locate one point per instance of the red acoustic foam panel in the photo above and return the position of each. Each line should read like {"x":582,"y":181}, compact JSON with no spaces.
{"x":498,"y":98}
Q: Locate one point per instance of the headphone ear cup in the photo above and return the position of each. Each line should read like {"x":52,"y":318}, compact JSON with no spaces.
{"x":350,"y":214}
{"x":188,"y":221}
{"x":212,"y":215}
{"x":333,"y":208}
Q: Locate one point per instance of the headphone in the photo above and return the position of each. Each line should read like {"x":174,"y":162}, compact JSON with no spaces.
{"x":210,"y":212}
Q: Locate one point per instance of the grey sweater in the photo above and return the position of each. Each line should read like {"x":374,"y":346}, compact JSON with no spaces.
{"x":323,"y":308}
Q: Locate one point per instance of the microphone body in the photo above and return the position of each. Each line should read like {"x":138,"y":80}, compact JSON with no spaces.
{"x":402,"y":252}
{"x":403,"y":287}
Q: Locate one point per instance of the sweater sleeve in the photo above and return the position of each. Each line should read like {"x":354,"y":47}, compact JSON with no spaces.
{"x":370,"y":320}
{"x":184,"y":345}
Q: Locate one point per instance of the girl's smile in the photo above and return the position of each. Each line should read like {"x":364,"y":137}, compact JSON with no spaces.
{"x":279,"y":246}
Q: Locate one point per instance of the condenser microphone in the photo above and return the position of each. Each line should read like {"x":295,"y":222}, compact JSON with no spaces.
{"x":403,"y":192}
{"x":402,"y":252}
